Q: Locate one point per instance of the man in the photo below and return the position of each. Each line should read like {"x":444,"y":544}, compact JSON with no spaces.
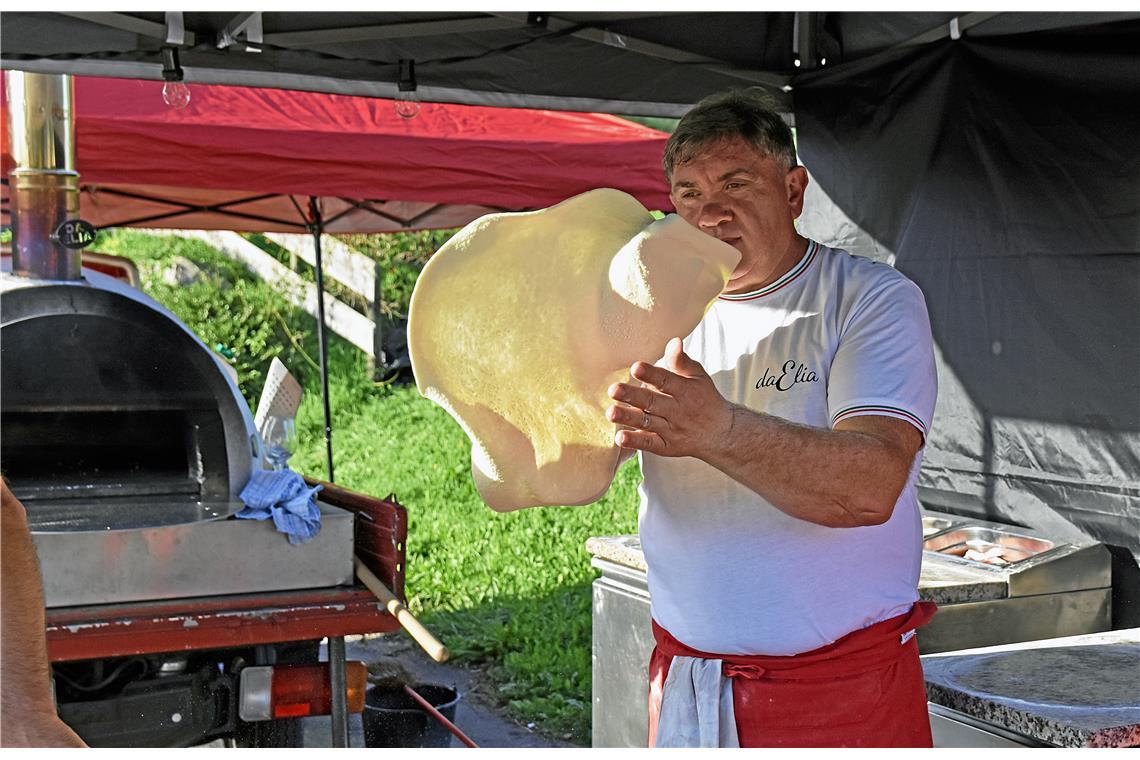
{"x":28,"y":717}
{"x":780,"y":443}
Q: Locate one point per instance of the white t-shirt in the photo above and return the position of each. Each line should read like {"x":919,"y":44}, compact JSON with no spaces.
{"x":837,"y":336}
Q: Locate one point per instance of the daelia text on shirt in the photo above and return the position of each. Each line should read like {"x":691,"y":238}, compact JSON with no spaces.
{"x":793,"y":372}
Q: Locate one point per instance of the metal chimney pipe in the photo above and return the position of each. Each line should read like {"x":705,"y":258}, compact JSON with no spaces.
{"x":43,"y":182}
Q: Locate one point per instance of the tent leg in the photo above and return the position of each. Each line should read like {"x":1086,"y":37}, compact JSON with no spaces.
{"x":380,"y":359}
{"x":339,"y":686}
{"x":322,"y":338}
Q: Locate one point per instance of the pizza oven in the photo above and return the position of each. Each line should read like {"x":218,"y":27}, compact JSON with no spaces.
{"x":124,"y":435}
{"x":106,"y":397}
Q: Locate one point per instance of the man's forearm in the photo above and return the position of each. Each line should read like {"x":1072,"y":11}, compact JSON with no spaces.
{"x":22,"y":640}
{"x":836,"y":478}
{"x":27,"y":713}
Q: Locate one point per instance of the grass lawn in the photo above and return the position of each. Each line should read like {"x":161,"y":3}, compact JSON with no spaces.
{"x":507,"y":592}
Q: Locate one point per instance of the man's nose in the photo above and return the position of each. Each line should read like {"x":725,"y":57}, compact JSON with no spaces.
{"x":712,"y":215}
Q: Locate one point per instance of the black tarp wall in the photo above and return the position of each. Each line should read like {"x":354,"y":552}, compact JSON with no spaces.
{"x":1002,"y":174}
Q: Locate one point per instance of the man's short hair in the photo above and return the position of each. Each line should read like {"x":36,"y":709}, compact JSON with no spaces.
{"x":735,"y":113}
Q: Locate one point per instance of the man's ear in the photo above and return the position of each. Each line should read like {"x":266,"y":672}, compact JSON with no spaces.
{"x":796,"y":183}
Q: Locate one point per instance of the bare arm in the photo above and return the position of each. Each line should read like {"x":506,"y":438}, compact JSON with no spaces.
{"x":841,"y":478}
{"x":27,"y":712}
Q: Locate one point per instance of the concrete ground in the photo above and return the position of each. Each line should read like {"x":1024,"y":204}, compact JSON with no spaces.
{"x":475,"y":715}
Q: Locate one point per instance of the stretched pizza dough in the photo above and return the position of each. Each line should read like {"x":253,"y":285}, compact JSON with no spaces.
{"x":520,"y":323}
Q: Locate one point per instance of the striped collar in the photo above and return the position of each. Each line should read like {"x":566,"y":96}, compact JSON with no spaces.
{"x":789,"y":277}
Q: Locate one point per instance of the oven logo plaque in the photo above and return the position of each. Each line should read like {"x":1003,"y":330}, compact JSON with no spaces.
{"x":74,"y":234}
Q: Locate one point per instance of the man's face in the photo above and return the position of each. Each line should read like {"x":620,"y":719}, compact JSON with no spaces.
{"x":736,"y":194}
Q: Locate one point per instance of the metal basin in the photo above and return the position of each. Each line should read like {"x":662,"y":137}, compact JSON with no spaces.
{"x":105,"y":556}
{"x":984,"y":546}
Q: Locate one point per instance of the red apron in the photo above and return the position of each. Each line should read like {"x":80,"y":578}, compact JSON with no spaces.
{"x":865,"y":690}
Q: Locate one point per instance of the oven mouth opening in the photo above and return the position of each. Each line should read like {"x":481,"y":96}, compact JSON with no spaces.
{"x":66,"y":454}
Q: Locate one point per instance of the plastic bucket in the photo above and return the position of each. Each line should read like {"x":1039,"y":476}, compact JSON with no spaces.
{"x":393,"y":719}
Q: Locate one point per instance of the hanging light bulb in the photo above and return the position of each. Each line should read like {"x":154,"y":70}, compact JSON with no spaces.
{"x":175,"y":93}
{"x":408,"y":104}
{"x":407,"y":101}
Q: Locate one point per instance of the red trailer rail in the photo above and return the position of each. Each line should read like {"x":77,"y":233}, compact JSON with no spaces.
{"x":117,"y":630}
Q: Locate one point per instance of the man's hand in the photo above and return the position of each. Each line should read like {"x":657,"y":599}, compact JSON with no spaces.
{"x":677,"y":412}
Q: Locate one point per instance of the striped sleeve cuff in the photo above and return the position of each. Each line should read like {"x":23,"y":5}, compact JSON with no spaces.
{"x":881,"y":410}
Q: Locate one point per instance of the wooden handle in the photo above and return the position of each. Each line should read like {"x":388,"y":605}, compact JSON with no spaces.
{"x":435,"y":649}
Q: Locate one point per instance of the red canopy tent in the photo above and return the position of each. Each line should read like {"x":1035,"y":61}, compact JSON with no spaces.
{"x":265,"y":160}
{"x":245,"y":158}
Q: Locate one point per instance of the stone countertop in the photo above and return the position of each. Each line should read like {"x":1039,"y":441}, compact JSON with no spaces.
{"x":1076,"y":691}
{"x":942,"y":582}
{"x":621,"y":550}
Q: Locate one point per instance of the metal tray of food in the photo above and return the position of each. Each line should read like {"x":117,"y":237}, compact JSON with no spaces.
{"x":987,"y":547}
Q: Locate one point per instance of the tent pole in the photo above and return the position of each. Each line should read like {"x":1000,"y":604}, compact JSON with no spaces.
{"x":322,"y":339}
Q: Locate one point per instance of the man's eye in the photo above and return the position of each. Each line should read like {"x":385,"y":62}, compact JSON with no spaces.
{"x":690,"y":195}
{"x":733,"y":185}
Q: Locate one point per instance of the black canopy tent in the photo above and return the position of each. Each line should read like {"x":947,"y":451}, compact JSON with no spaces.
{"x":642,"y":62}
{"x":991,"y":156}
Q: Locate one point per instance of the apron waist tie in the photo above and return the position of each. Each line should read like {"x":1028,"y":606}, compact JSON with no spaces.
{"x":751,"y":672}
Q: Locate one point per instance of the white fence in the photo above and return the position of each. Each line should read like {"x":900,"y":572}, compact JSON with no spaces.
{"x":353,"y":270}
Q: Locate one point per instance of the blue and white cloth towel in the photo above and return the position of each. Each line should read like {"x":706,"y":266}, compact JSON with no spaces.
{"x":284,"y":496}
